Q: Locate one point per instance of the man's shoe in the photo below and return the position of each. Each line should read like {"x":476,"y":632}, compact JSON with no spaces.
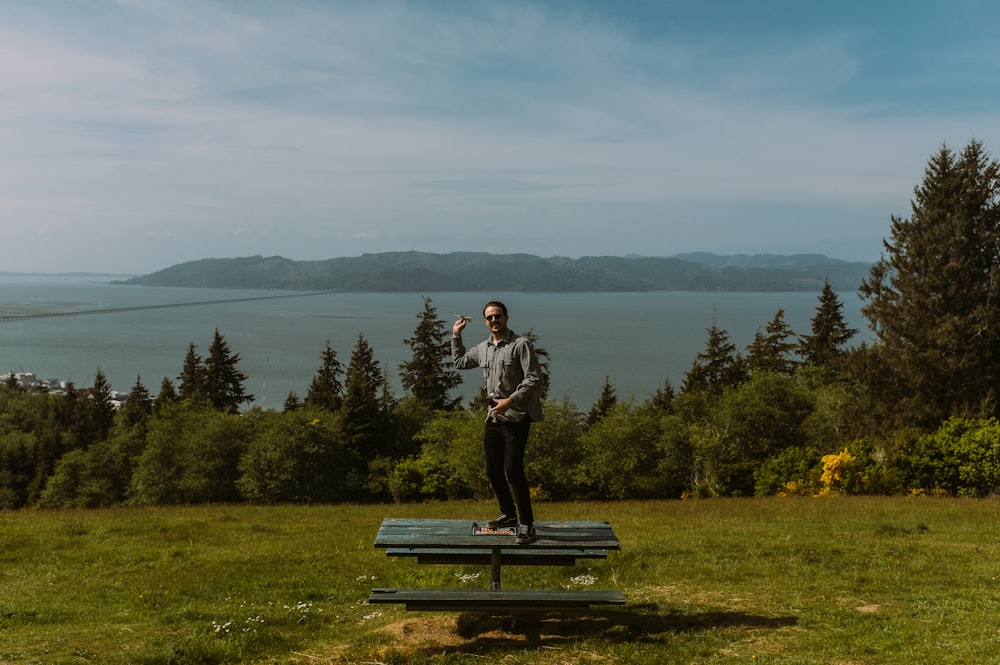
{"x":502,"y":522}
{"x":526,"y":535}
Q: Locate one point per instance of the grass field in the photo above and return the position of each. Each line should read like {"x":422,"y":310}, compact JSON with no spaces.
{"x":839,"y":580}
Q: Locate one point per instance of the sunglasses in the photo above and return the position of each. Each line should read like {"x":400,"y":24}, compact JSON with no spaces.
{"x":493,"y":317}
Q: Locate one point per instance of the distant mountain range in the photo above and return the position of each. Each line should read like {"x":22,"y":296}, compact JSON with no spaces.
{"x":479,"y":271}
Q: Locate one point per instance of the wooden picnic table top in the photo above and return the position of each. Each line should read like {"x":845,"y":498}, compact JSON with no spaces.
{"x":458,"y":534}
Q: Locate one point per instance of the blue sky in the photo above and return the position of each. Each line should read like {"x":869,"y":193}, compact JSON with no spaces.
{"x":138,"y":134}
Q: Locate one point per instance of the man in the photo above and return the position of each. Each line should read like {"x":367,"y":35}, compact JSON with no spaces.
{"x":512,"y":375}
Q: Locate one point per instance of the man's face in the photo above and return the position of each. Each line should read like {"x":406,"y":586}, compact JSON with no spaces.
{"x":495,"y":320}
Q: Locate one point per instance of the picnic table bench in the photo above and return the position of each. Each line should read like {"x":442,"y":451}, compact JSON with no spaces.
{"x":464,"y":542}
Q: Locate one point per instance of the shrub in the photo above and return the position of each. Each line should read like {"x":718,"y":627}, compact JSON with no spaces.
{"x":296,"y":456}
{"x":961,"y":457}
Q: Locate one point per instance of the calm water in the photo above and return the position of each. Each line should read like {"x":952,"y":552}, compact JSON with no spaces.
{"x":637,"y":340}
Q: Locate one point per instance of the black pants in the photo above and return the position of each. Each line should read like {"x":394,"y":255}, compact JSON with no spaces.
{"x":504,"y":443}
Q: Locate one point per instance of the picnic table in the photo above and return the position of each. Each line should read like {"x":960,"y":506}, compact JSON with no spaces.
{"x":468,"y":542}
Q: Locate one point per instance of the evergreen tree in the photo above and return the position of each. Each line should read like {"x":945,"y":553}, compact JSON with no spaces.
{"x":223,"y":381}
{"x":543,"y":364}
{"x":770,"y":350}
{"x":427,"y":374}
{"x":326,"y":391}
{"x":604,"y":404}
{"x":191,"y":380}
{"x":75,"y":416}
{"x":933,"y":298}
{"x":137,"y":407}
{"x":292,"y":402}
{"x":718,"y":367}
{"x":361,"y":408}
{"x":167,"y":395}
{"x":101,"y":408}
{"x":387,"y":400}
{"x":662,"y":400}
{"x":825,"y":346}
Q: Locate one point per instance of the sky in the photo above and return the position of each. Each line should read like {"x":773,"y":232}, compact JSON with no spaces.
{"x":139,"y":134}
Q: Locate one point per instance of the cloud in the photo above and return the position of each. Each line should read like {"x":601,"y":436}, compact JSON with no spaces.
{"x":427,"y":125}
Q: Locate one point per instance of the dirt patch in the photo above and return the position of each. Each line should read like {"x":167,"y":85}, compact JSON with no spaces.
{"x":870,"y":608}
{"x":497,"y":635}
{"x":425,"y":632}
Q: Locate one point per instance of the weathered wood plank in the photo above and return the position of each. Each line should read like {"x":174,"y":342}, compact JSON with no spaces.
{"x":509,"y":557}
{"x":520,"y":600}
{"x":398,"y":532}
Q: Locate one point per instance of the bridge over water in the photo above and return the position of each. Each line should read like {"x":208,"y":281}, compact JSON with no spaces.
{"x":114,"y":310}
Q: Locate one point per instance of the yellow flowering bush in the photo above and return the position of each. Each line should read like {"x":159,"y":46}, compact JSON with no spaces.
{"x":835,"y":470}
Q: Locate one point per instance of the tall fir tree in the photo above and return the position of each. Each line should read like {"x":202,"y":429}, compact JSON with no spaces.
{"x":663,"y":399}
{"x":716,"y":368}
{"x":933,"y":298}
{"x":137,"y":407}
{"x":100,"y":408}
{"x":363,"y":418}
{"x":326,"y":391}
{"x":771,"y":350}
{"x":543,"y":363}
{"x":605,"y":402}
{"x":826,"y":345}
{"x":224,"y":382}
{"x":292,"y":402}
{"x":191,"y":380}
{"x":427,"y":375}
{"x":167,"y":395}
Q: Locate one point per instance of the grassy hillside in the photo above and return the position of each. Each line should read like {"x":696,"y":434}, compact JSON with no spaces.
{"x":835,"y":580}
{"x":479,"y":271}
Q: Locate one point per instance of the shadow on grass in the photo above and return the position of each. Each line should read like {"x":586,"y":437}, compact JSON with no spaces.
{"x":639,"y":623}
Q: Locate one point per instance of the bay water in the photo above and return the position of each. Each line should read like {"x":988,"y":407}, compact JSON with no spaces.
{"x":635,"y":340}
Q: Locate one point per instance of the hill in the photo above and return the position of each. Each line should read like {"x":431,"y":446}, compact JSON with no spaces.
{"x":480,"y":271}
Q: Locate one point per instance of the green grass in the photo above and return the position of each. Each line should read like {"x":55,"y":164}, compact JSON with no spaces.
{"x":834,"y":580}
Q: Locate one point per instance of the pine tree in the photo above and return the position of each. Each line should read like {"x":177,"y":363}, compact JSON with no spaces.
{"x":73,"y":415}
{"x":716,"y":368}
{"x":361,"y":408}
{"x":933,"y":298}
{"x":167,"y":395}
{"x":223,"y":381}
{"x":770,"y":350}
{"x":192,"y":377}
{"x":326,"y":391}
{"x":101,"y":408}
{"x":830,"y":334}
{"x":386,"y":400}
{"x":605,"y":402}
{"x":292,"y":402}
{"x":137,"y":407}
{"x":663,"y":399}
{"x":543,"y":364}
{"x":427,"y":375}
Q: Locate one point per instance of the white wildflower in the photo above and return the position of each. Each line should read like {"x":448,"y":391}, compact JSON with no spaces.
{"x":583,"y":580}
{"x":369,"y":617}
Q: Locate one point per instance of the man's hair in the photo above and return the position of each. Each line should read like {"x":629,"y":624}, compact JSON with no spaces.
{"x":495,"y":303}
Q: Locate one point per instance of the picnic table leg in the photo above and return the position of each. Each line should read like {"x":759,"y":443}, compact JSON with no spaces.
{"x":495,"y":569}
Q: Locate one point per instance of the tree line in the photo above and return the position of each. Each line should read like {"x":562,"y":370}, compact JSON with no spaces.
{"x":914,"y":410}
